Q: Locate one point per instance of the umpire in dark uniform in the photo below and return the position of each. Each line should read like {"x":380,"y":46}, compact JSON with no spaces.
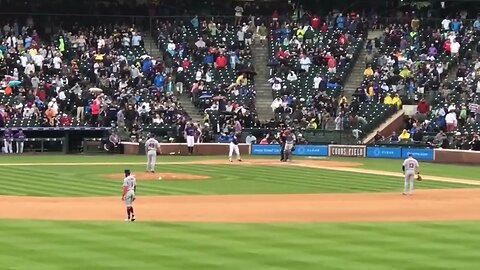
{"x":282,"y":141}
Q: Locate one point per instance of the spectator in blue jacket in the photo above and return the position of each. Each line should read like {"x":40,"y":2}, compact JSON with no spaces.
{"x":208,"y":59}
{"x":340,"y":21}
{"x":159,"y":81}
{"x":147,"y":66}
{"x":476,"y":24}
{"x":456,"y":25}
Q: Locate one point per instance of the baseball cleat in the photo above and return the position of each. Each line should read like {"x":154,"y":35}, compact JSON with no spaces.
{"x":404,"y":193}
{"x":133,"y":219}
{"x":240,"y":160}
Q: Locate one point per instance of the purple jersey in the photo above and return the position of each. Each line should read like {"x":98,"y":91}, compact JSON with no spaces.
{"x":8,"y":133}
{"x":190,"y":131}
{"x":235,"y":140}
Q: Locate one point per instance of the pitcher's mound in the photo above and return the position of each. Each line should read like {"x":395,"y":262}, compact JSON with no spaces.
{"x":158,"y":176}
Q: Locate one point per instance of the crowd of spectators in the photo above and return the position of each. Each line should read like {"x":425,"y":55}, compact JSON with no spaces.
{"x":410,"y":63}
{"x":86,"y":76}
{"x":211,"y":62}
{"x":308,"y":65}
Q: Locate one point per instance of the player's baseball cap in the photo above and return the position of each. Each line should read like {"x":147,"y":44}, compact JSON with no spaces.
{"x":127,"y":171}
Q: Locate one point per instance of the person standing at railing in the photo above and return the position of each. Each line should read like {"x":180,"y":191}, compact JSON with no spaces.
{"x":238,"y":15}
{"x":19,"y":140}
{"x":7,"y":141}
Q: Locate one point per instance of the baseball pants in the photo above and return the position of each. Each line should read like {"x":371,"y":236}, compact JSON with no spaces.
{"x":20,"y":147}
{"x":288,"y":151}
{"x":282,"y":152}
{"x":233,"y":148}
{"x":129,"y":198}
{"x":7,"y":147}
{"x":190,"y":141}
{"x":409,"y":180}
{"x":151,"y":160}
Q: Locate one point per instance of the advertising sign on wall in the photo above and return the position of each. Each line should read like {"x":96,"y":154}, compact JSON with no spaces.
{"x":300,"y":150}
{"x":384,"y":152}
{"x":418,"y":153}
{"x":347,"y":150}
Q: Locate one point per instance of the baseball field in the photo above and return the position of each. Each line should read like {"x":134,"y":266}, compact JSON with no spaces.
{"x":65,"y":212}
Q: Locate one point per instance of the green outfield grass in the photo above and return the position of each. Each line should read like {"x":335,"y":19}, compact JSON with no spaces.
{"x":394,"y":165}
{"x":68,"y":245}
{"x":44,"y":245}
{"x":225,"y":179}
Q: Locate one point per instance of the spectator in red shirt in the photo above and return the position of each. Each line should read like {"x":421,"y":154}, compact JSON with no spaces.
{"x":281,"y":54}
{"x":422,"y":106}
{"x":315,"y":22}
{"x":159,"y":66}
{"x":40,"y":93}
{"x":331,"y":63}
{"x":275,"y":16}
{"x":341,"y":39}
{"x":446,"y":46}
{"x":94,"y":109}
{"x":221,"y":61}
{"x":324,"y":28}
{"x":422,"y":110}
{"x":185,"y":63}
{"x":65,"y":120}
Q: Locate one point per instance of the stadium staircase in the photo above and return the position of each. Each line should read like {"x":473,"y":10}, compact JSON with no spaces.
{"x":153,"y":50}
{"x":263,"y":98}
{"x":355,"y":78}
{"x":393,"y":123}
{"x":188,"y":106}
{"x":151,"y":47}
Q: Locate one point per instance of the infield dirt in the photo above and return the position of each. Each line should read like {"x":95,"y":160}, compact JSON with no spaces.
{"x":445,"y":204}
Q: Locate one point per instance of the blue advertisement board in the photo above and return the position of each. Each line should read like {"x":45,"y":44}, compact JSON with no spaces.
{"x":418,"y":153}
{"x":384,"y":152}
{"x":265,"y":149}
{"x":300,"y":150}
{"x":311,"y":150}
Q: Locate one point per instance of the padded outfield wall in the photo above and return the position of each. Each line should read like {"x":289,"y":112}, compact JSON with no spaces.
{"x":333,"y":150}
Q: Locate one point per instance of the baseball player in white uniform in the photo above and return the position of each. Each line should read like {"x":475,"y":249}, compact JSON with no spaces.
{"x":410,"y":168}
{"x":128,"y":194}
{"x":234,"y":148}
{"x":190,"y":132}
{"x":151,"y":148}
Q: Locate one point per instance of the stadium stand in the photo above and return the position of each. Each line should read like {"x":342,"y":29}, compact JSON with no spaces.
{"x":88,"y":76}
{"x":309,"y":63}
{"x":419,"y":67}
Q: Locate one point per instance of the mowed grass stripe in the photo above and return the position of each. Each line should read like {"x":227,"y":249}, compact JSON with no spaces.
{"x":75,"y":184}
{"x":310,"y":178}
{"x":333,"y":180}
{"x":237,"y":246}
{"x":225,"y":179}
{"x":445,"y":170}
{"x":59,"y":184}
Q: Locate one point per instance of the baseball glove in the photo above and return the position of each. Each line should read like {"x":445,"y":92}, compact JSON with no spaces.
{"x":419,"y":177}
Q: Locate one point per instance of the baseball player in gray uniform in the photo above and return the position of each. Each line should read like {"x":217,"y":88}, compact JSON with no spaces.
{"x":151,"y":148}
{"x":410,"y":168}
{"x":128,"y":194}
{"x":289,"y":144}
